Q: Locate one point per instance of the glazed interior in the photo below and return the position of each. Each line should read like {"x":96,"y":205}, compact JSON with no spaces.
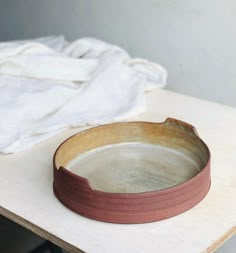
{"x":134,"y":157}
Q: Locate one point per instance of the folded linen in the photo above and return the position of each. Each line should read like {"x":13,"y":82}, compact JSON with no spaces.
{"x":48,"y":85}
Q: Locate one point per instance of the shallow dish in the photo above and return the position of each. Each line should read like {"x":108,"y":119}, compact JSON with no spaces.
{"x":132,"y":172}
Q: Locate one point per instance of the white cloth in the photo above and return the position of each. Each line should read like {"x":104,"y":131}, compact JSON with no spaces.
{"x":48,"y":85}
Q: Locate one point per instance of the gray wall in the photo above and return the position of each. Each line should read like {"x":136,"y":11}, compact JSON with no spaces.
{"x":194,"y":39}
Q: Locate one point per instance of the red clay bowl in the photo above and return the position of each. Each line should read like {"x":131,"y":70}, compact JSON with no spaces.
{"x":133,"y":172}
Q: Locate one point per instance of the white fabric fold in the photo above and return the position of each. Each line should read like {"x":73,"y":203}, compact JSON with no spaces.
{"x":34,"y":60}
{"x":48,"y":85}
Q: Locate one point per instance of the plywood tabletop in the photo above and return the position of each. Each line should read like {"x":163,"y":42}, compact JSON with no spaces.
{"x":26,"y":194}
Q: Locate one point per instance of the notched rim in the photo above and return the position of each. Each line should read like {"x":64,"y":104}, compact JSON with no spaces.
{"x":169,"y":121}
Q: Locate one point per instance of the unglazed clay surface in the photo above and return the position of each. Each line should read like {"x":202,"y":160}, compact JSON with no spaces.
{"x":134,"y":167}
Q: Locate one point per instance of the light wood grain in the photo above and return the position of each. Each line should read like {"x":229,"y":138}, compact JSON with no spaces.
{"x":221,"y":240}
{"x":26,"y":194}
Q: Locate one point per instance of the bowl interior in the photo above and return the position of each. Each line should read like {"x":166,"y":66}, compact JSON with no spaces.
{"x":134,"y":157}
{"x":134,"y":167}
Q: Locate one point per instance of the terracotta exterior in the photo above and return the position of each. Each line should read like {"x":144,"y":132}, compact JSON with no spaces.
{"x":75,"y":193}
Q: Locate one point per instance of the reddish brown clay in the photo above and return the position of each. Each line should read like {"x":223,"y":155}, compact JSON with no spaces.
{"x":76,"y":193}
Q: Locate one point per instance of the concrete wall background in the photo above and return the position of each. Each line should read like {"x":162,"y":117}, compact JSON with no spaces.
{"x":195,"y":39}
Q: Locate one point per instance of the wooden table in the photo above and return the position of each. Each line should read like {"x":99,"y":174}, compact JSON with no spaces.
{"x":26,"y":195}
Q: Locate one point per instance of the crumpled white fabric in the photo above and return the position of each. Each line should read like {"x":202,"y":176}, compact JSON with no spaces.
{"x":48,"y":85}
